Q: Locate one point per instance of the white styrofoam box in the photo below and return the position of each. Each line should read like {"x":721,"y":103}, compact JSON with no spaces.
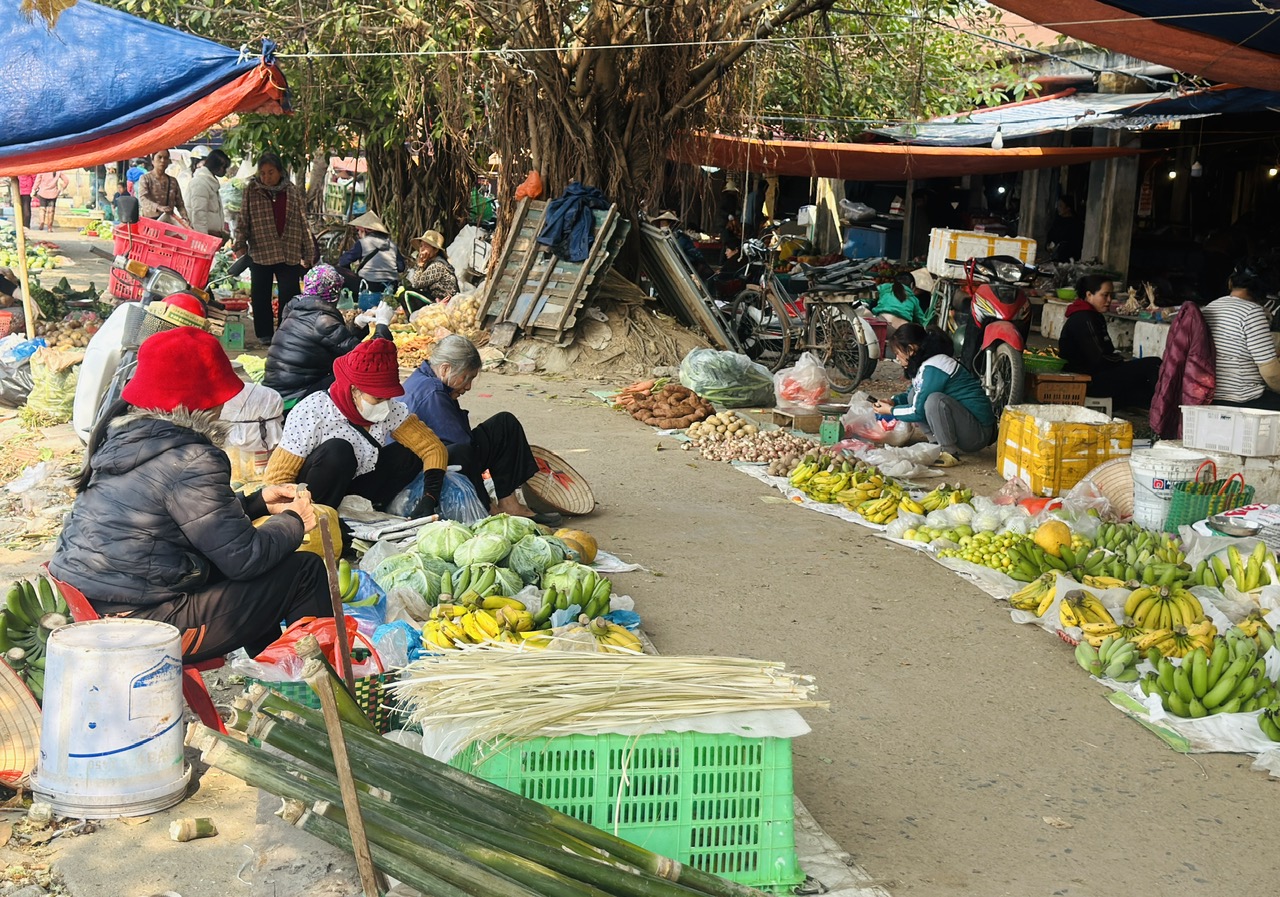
{"x":966,"y":244}
{"x":1149,"y":338}
{"x":1121,"y":332}
{"x":1248,"y":432}
{"x":1263,"y":474}
{"x":1052,"y":317}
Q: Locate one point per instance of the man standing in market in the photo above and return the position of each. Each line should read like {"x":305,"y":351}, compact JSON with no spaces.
{"x":204,"y":203}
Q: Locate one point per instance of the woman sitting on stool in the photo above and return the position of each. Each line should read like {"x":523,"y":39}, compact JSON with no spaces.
{"x":497,"y":445}
{"x":1087,"y":348}
{"x":354,"y":439}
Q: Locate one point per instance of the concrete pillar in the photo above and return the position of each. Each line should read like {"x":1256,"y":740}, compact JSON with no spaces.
{"x":1038,"y":205}
{"x":1112,"y":200}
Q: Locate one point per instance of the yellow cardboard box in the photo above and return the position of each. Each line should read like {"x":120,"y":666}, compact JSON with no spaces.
{"x":1053,"y":447}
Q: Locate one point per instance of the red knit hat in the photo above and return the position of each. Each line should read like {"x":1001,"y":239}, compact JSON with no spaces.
{"x":184,"y":366}
{"x":371,"y":367}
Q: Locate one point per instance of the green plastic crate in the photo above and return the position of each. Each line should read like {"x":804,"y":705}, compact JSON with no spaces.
{"x":370,"y":693}
{"x":720,"y":803}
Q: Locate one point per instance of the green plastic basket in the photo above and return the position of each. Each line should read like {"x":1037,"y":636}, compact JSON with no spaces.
{"x":1034,"y":363}
{"x":1200,"y":498}
{"x":370,"y":693}
{"x":719,"y":803}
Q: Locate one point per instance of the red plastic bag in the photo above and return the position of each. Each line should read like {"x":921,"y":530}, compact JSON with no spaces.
{"x":531,"y":188}
{"x":325,"y":629}
{"x":803,"y":385}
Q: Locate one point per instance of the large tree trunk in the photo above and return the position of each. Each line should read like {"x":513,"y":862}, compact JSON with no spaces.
{"x":417,"y":193}
{"x":317,"y":176}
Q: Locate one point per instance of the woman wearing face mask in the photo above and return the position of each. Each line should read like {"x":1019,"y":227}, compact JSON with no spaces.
{"x":497,"y":445}
{"x":944,"y":399}
{"x":355,"y":439}
{"x":156,"y":531}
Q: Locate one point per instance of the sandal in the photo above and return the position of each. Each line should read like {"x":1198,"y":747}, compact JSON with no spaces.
{"x":548,"y":518}
{"x":946,"y":459}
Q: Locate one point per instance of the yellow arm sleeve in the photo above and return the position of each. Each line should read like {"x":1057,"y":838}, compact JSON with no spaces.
{"x":283,"y":467}
{"x":416,"y":436}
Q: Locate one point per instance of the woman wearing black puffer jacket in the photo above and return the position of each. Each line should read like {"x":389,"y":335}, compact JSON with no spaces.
{"x":312,"y":336}
{"x":156,"y":531}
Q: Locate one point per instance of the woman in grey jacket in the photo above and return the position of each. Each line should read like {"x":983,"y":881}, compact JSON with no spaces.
{"x":156,"y":531}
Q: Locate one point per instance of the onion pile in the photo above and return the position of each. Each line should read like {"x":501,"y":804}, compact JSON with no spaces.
{"x":770,"y":446}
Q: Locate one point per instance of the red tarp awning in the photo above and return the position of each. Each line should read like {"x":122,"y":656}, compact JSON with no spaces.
{"x":874,"y":162}
{"x":1182,"y":44}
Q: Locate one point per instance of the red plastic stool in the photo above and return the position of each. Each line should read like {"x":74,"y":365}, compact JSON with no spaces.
{"x":194,"y":690}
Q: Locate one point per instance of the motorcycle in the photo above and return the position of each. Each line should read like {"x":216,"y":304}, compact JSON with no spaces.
{"x":112,"y":354}
{"x":988,"y":316}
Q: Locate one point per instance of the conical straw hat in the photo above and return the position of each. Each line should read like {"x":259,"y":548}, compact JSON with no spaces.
{"x":559,"y":486}
{"x":19,"y":729}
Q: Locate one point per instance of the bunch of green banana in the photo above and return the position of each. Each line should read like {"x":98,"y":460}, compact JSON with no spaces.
{"x":593,"y":603}
{"x":1230,"y":678}
{"x":472,"y":584}
{"x":32,"y":611}
{"x":1247,"y":575}
{"x":1037,"y":595}
{"x":945,"y":495}
{"x":1030,"y":560}
{"x":1269,"y":722}
{"x":1115,"y":658}
{"x":1079,"y":607}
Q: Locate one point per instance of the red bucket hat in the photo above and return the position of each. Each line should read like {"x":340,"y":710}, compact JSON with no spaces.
{"x":185,"y":366}
{"x":372,"y":367}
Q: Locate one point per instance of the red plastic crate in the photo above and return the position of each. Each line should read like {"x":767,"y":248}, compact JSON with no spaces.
{"x":188,"y":252}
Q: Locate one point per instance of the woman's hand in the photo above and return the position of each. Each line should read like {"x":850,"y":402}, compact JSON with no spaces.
{"x":277,"y":497}
{"x":883,"y":407}
{"x":301,"y":505}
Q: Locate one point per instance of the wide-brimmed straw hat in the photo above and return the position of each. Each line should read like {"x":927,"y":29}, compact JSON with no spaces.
{"x":665,"y":215}
{"x":19,"y":730}
{"x":557,"y":486}
{"x":370,"y":221}
{"x":431,"y":238}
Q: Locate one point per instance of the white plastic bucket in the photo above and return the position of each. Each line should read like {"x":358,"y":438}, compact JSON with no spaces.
{"x":111,"y":743}
{"x":1155,"y":470}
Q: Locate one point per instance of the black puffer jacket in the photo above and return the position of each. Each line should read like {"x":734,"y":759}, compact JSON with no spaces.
{"x":159,"y":515}
{"x":310,"y":338}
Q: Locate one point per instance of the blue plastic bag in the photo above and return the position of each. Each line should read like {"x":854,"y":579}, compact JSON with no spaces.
{"x":390,"y":632}
{"x":368,"y":616}
{"x":458,"y":500}
{"x":407,"y":498}
{"x":27,"y":348}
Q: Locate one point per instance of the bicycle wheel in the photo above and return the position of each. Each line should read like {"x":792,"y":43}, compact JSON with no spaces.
{"x":837,"y":336}
{"x":761,"y":327}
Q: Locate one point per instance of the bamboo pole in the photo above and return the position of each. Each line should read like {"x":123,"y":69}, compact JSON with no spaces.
{"x":370,"y":880}
{"x":23,"y":278}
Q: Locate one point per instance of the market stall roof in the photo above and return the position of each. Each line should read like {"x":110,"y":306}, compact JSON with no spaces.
{"x":868,"y":161}
{"x":102,"y":85}
{"x":1068,"y":110}
{"x":1233,"y":41}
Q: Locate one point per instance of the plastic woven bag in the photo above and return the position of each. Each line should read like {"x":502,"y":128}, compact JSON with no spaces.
{"x":53,"y":384}
{"x":726,"y":378}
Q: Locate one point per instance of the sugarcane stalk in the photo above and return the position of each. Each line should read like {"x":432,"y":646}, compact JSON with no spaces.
{"x":579,"y":861}
{"x":471,"y":867}
{"x":471,"y":792}
{"x":405,"y":870}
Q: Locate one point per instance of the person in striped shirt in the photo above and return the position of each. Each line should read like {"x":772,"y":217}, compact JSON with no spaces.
{"x":1247,"y":369}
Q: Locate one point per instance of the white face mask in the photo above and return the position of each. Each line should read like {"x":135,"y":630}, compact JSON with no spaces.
{"x":373,"y":411}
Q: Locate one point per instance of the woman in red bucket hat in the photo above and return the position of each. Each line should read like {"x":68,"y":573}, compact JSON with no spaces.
{"x":157,"y":532}
{"x":355,"y":439}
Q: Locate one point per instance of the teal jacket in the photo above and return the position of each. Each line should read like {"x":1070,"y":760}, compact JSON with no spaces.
{"x":946,"y":375}
{"x":888,"y":303}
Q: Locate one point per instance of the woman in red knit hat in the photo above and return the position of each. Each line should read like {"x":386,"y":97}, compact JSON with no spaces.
{"x":156,"y":531}
{"x":355,"y":439}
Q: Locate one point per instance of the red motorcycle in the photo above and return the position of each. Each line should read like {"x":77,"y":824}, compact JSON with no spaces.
{"x":988,"y":315}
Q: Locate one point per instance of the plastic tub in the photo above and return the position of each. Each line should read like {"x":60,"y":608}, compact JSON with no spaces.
{"x":111,"y":744}
{"x":1155,"y":471}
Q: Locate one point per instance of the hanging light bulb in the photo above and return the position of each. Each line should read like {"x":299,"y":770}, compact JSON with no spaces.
{"x":997,"y":142}
{"x":1197,"y":170}
{"x":1272,"y":171}
{"x":1173,"y":174}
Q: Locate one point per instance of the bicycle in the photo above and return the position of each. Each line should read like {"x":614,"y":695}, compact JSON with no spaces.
{"x":773,"y":327}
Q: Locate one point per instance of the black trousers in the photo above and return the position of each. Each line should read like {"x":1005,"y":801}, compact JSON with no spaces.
{"x":1267,"y":401}
{"x":289,"y":280}
{"x":330,"y":474}
{"x":229,"y":614}
{"x":1129,"y":385}
{"x":352,"y":281}
{"x":26,"y":209}
{"x":499,"y":446}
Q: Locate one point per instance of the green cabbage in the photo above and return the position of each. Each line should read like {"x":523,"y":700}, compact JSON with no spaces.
{"x":487,"y":548}
{"x":533,"y":554}
{"x":513,"y":529}
{"x":442,"y":538}
{"x":570,"y":554}
{"x":434,"y":566}
{"x":393,"y":568}
{"x":510,"y":581}
{"x":565,"y":574}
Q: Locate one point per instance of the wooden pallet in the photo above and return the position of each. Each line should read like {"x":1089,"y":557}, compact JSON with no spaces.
{"x":534,"y":291}
{"x":679,"y":286}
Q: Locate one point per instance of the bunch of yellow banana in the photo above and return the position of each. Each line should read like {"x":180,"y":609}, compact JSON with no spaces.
{"x":880,"y":510}
{"x":944,"y":495}
{"x":1103,"y":582}
{"x":453,"y":624}
{"x":1255,"y":626}
{"x":1037,"y":595}
{"x":1179,"y":641}
{"x":1079,"y":607}
{"x":612,"y":638}
{"x":1159,"y":607}
{"x":864,"y":486}
{"x":1097,"y":633}
{"x":1249,"y":575}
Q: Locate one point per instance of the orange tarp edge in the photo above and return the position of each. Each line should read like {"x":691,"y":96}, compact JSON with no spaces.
{"x":1179,"y":48}
{"x":260,"y":90}
{"x":865,"y":162}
